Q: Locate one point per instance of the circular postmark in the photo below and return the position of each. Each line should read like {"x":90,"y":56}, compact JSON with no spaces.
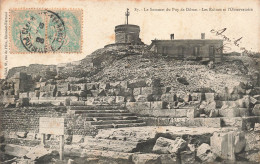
{"x":43,"y":32}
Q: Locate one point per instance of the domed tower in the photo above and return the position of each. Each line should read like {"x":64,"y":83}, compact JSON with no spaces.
{"x":127,"y":33}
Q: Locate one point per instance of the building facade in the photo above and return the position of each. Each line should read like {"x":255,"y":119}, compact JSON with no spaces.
{"x":196,"y":49}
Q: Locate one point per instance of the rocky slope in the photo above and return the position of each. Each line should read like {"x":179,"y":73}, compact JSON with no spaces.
{"x":133,"y":63}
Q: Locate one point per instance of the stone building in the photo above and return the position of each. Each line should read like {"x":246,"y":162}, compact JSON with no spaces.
{"x":127,"y":33}
{"x":204,"y":49}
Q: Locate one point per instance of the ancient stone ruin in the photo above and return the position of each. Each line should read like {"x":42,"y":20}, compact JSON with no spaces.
{"x":126,"y":103}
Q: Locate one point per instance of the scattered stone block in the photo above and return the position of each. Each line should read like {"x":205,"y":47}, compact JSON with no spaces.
{"x":141,"y":98}
{"x":31,"y":136}
{"x":256,"y":110}
{"x":162,"y":145}
{"x":182,"y":122}
{"x":196,"y":122}
{"x":181,"y":112}
{"x":138,"y":105}
{"x":63,"y":88}
{"x":213,"y":113}
{"x":243,"y":112}
{"x":210,"y":97}
{"x":146,"y":158}
{"x":212,"y":122}
{"x":158,"y":105}
{"x":257,"y":97}
{"x":197,"y":97}
{"x":222,"y":145}
{"x":187,"y":157}
{"x":77,"y":103}
{"x":209,"y":107}
{"x":168,"y":97}
{"x":147,"y":90}
{"x":37,"y":152}
{"x":169,"y":159}
{"x":124,"y":92}
{"x":172,"y":105}
{"x":229,"y":112}
{"x":192,"y":112}
{"x":253,"y":100}
{"x":24,"y":95}
{"x":191,"y":147}
{"x":205,"y":154}
{"x":139,"y":83}
{"x":104,"y":100}
{"x":21,"y":134}
{"x":178,"y":145}
{"x":239,"y":142}
{"x":187,"y":98}
{"x":153,"y":97}
{"x":151,"y":90}
{"x":120,"y":99}
{"x":15,"y":150}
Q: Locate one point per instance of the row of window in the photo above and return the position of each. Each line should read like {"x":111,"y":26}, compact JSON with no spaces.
{"x":196,"y":50}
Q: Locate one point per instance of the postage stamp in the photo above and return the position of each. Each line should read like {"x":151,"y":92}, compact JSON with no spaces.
{"x":45,"y":30}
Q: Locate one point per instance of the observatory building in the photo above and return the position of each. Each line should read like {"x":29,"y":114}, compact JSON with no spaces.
{"x":127,"y":33}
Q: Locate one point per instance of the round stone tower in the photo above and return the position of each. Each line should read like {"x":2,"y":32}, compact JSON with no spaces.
{"x":127,"y":33}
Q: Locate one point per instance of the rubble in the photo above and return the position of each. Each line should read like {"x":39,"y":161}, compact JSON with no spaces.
{"x":146,"y":158}
{"x":256,"y":110}
{"x":205,"y":154}
{"x":162,"y":145}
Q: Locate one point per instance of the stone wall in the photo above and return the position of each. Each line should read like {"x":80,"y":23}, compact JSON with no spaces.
{"x":26,"y":120}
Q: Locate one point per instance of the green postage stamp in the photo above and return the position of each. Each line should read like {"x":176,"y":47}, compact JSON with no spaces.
{"x":45,"y":30}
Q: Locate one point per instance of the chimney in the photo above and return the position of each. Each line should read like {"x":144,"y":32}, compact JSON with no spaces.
{"x":202,"y":35}
{"x":172,"y":36}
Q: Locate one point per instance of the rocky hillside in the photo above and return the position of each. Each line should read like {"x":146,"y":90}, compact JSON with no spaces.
{"x":133,"y":63}
{"x":121,"y":64}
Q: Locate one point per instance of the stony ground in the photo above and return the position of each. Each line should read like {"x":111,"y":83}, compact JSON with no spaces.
{"x":217,"y":77}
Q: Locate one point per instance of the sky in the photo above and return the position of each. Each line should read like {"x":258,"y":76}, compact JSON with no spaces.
{"x":101,"y":16}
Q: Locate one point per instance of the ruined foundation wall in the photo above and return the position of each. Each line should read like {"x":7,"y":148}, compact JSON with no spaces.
{"x":15,"y":120}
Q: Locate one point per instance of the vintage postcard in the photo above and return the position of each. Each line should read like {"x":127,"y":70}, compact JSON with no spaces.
{"x":129,"y":81}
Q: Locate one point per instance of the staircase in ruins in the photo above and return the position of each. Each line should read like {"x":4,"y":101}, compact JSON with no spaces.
{"x":108,"y":116}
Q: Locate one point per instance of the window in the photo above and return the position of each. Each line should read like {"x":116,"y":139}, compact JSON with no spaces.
{"x":181,"y":52}
{"x":196,"y":50}
{"x":164,"y":50}
{"x":211,"y":52}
